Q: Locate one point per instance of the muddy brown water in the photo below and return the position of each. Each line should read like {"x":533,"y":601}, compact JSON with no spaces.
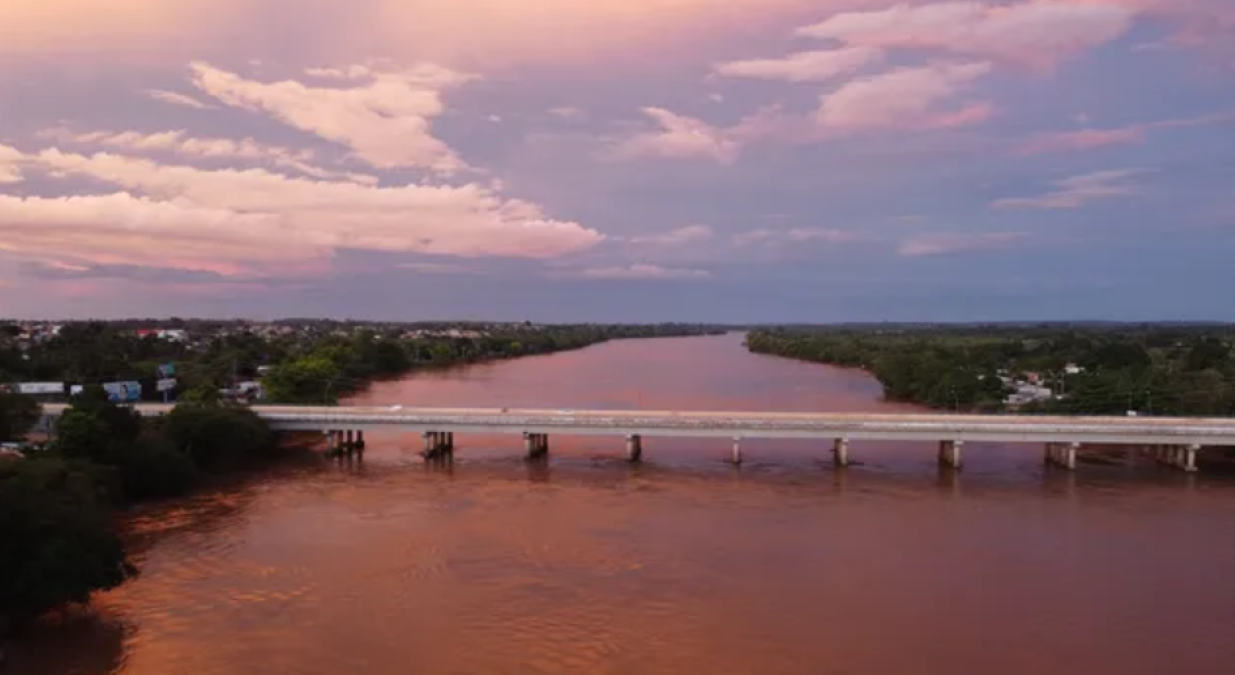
{"x":683,"y":564}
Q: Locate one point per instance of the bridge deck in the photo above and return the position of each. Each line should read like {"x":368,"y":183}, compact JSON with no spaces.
{"x":908,"y":427}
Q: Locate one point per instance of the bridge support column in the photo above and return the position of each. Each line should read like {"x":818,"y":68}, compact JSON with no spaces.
{"x":950,"y":454}
{"x":359,"y":441}
{"x":1182,"y":457}
{"x":736,"y":455}
{"x":537,"y":445}
{"x":349,"y":445}
{"x":1062,"y":454}
{"x":840,"y":452}
{"x":437,"y":444}
{"x":634,"y":447}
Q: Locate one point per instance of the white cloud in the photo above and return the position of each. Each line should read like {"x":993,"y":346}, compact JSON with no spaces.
{"x":643,"y":272}
{"x":463,"y":221}
{"x":815,"y":66}
{"x":1077,"y":191}
{"x":948,"y":243}
{"x":177,"y":142}
{"x":1035,"y":34}
{"x":905,"y":98}
{"x":386,"y":121}
{"x":688,"y":234}
{"x":177,"y":99}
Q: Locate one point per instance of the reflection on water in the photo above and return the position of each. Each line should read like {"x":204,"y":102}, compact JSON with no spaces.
{"x":684,"y":564}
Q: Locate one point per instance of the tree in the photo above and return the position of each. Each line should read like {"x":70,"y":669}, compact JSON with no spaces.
{"x":310,"y":380}
{"x":82,"y":435}
{"x":152,"y":468}
{"x":58,"y":543}
{"x":18,"y":414}
{"x":218,"y":437}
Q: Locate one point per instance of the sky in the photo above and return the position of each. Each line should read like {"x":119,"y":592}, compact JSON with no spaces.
{"x":609,"y":160}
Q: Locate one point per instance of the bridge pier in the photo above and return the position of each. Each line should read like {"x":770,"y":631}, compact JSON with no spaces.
{"x":1062,"y":455}
{"x":736,"y":455}
{"x":438,"y":444}
{"x":950,"y":454}
{"x":1182,"y":457}
{"x":349,"y":445}
{"x":634,"y":447}
{"x":360,"y":440}
{"x":840,"y":452}
{"x":537,"y":445}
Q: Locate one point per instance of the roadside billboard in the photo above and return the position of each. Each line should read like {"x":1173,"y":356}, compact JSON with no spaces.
{"x":40,"y":388}
{"x":123,"y":392}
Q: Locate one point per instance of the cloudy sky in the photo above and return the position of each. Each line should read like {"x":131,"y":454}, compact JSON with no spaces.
{"x":628,"y":160}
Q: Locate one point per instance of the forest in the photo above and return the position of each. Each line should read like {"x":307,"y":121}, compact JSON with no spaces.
{"x":1165,"y":370}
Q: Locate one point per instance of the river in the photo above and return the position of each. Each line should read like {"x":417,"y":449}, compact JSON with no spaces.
{"x":683,"y":564}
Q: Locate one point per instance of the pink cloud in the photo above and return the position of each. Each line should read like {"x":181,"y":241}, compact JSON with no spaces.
{"x":299,"y":218}
{"x":1090,"y":139}
{"x":1036,"y":34}
{"x":906,"y":98}
{"x":120,"y":229}
{"x":1077,"y":191}
{"x":816,"y":66}
{"x":177,"y":142}
{"x":681,"y":137}
{"x":643,"y":272}
{"x":688,"y":234}
{"x":945,"y":243}
{"x":181,"y":100}
{"x":1084,"y":139}
{"x":386,"y":120}
{"x":9,"y":160}
{"x":767,"y":237}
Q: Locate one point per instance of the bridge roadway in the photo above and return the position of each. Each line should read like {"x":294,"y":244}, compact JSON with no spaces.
{"x":1139,"y":431}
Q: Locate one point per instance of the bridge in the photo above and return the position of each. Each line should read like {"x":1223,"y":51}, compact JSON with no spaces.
{"x":1175,"y":442}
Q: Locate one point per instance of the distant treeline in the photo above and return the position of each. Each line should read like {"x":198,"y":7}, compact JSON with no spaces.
{"x":1150,"y":369}
{"x":313,"y":364}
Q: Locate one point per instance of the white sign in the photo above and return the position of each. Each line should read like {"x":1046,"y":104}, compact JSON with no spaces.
{"x":40,"y":388}
{"x":76,"y":389}
{"x":166,"y":384}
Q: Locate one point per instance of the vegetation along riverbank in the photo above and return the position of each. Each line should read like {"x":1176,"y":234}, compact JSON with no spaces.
{"x":1067,"y":369}
{"x":58,"y":500}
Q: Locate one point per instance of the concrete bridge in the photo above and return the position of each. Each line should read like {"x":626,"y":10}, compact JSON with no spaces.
{"x":1174,"y":441}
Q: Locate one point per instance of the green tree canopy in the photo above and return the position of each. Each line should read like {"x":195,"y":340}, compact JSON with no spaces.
{"x":58,"y":545}
{"x":18,"y":414}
